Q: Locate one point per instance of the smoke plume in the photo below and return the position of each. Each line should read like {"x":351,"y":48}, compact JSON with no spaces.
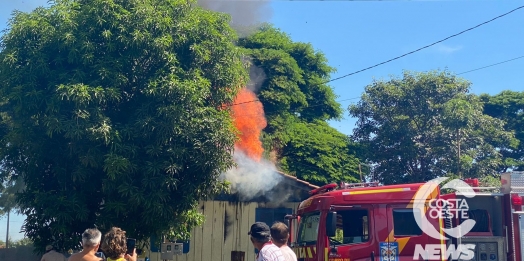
{"x":252,"y":178}
{"x":256,"y":78}
{"x":245,"y":14}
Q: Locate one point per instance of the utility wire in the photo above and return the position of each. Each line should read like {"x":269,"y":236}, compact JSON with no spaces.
{"x":414,"y":51}
{"x":398,"y":57}
{"x":484,"y":67}
{"x":354,"y":98}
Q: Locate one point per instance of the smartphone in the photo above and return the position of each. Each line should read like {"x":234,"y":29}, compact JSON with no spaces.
{"x":131,"y":244}
{"x":100,"y":255}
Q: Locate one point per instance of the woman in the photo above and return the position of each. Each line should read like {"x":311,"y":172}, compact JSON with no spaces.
{"x":114,"y":246}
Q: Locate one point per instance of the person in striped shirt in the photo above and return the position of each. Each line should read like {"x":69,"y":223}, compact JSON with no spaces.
{"x":261,"y":239}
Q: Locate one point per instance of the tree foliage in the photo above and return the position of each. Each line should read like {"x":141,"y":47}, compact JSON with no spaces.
{"x":8,"y":193}
{"x":509,"y":107}
{"x":113,"y":114}
{"x":297,"y":103}
{"x":426,"y":125}
{"x":318,"y":153}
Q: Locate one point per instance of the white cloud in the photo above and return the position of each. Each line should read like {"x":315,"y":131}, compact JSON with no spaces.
{"x":448,"y":49}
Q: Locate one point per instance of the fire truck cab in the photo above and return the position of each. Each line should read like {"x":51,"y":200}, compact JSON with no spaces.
{"x":366,"y":221}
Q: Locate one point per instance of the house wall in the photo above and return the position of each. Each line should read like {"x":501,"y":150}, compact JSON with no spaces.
{"x":225,"y":230}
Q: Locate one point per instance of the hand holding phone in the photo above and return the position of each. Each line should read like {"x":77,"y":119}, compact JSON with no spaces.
{"x":131,"y":245}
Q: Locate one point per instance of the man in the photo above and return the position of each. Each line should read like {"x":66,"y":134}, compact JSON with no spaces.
{"x":280,"y":236}
{"x":261,"y":239}
{"x":90,"y":243}
{"x":52,"y":255}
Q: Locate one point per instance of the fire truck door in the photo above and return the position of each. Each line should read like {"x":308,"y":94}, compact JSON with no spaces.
{"x":354,"y":237}
{"x":403,"y":234}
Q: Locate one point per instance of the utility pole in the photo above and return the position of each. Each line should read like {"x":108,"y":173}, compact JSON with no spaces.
{"x":360,"y":171}
{"x":458,"y":165}
{"x":7,"y":231}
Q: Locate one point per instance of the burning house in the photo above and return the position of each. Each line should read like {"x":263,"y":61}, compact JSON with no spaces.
{"x":259,"y":193}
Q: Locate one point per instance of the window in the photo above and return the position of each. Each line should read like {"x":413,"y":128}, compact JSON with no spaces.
{"x":308,"y":229}
{"x":404,"y":223}
{"x":352,"y":227}
{"x":481,"y":218}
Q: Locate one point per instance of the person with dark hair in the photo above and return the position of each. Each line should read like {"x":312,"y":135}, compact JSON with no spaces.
{"x":280,"y":236}
{"x":261,"y":239}
{"x":114,"y":246}
{"x":90,"y":242}
{"x":52,"y":255}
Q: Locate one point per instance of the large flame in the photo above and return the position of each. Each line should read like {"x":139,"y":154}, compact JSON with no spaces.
{"x":249,"y":119}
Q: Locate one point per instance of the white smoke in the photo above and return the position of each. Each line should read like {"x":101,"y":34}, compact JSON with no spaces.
{"x":251,"y":179}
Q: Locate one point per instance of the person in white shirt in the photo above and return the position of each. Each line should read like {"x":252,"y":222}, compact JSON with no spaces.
{"x":280,"y":236}
{"x":52,"y":255}
{"x":261,"y":239}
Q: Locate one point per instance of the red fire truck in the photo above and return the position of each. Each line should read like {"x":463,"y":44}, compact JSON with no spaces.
{"x":366,"y":221}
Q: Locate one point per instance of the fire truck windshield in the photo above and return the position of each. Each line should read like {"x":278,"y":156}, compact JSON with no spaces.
{"x":308,"y":229}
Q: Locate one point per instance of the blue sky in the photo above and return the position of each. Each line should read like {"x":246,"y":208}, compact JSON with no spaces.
{"x":357,"y":34}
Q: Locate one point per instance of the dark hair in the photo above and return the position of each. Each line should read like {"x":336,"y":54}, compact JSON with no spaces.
{"x":114,"y":243}
{"x":279,"y":232}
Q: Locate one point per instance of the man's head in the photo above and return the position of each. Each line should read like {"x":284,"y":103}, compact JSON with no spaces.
{"x":279,"y":233}
{"x":91,"y":238}
{"x":48,"y":248}
{"x":259,"y":233}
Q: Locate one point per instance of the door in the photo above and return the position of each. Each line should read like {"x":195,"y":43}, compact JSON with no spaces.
{"x":404,"y":234}
{"x":354,"y":238}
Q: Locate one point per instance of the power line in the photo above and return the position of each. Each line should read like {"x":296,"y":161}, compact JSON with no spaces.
{"x":484,"y":67}
{"x":354,"y":98}
{"x":398,"y":57}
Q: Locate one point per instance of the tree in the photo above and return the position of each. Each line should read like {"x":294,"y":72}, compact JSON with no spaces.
{"x":426,"y":125}
{"x":113,"y":115}
{"x":319,"y":154}
{"x":509,"y":107}
{"x":295,"y":98}
{"x":8,"y":202}
{"x":8,"y":192}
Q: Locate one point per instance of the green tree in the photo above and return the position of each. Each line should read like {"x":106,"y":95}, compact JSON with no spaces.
{"x":295,"y":98}
{"x":113,"y":114}
{"x":318,"y":153}
{"x":21,"y":243}
{"x":426,"y":125}
{"x":508,"y":106}
{"x":8,"y":192}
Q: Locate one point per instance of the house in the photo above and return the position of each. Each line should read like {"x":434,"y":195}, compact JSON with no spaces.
{"x":228,"y":220}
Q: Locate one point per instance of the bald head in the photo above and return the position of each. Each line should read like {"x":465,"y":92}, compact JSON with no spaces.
{"x":279,"y":233}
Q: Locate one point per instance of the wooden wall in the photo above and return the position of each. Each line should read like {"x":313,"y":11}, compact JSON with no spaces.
{"x":211,"y":243}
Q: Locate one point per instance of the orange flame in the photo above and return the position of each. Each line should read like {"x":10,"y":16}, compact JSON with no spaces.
{"x":250,"y":121}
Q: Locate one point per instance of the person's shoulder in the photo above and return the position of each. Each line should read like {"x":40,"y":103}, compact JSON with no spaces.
{"x":289,"y":253}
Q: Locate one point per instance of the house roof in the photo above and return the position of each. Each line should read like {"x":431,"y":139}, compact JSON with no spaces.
{"x":297,"y":180}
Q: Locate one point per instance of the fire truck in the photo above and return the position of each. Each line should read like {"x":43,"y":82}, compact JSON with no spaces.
{"x":422,"y":221}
